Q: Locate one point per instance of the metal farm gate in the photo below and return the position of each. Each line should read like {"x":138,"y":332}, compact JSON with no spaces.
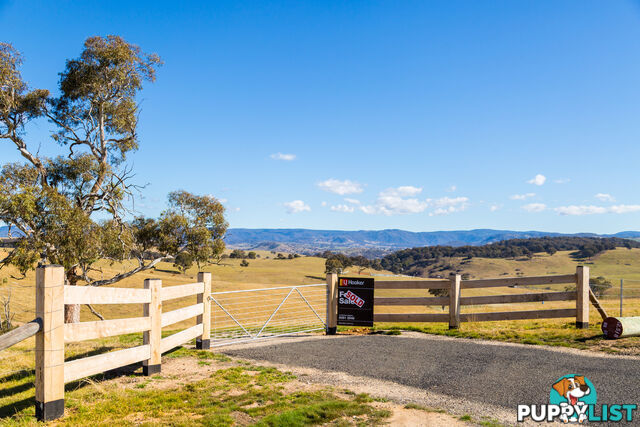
{"x":247,"y":315}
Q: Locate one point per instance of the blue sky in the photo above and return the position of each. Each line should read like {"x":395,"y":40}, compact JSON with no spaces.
{"x":368,"y":115}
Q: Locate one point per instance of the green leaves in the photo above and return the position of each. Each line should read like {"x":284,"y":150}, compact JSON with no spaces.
{"x":97,"y":107}
{"x":55,"y":201}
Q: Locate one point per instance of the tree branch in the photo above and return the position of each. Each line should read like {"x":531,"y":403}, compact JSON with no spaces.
{"x":94,"y":312}
{"x":117,"y":278}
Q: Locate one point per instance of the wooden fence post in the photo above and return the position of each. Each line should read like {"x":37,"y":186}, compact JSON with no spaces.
{"x":204,"y":342}
{"x":332,"y":303}
{"x":153,"y":337}
{"x":582,"y":297}
{"x":454,"y":302}
{"x":50,"y":343}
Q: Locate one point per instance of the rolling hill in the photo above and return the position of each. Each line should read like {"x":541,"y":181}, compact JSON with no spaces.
{"x":378,"y":242}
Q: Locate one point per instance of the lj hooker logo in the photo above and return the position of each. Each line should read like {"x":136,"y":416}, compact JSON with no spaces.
{"x":572,"y":399}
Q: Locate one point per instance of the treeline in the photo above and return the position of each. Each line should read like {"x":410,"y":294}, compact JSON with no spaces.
{"x":409,"y":260}
{"x":337,"y":262}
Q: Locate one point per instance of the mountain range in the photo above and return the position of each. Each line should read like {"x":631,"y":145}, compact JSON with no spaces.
{"x":371,"y":242}
{"x":378,"y":242}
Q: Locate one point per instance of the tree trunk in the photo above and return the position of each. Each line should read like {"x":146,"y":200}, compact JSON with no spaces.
{"x":72,"y":311}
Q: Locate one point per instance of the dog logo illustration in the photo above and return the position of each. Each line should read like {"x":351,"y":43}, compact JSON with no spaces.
{"x":575,"y":391}
{"x":573,"y":399}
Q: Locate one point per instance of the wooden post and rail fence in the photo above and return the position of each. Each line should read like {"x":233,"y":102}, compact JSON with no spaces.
{"x":52,"y":372}
{"x":582,"y":296}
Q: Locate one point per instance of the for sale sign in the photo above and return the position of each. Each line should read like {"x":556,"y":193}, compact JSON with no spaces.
{"x":355,"y":301}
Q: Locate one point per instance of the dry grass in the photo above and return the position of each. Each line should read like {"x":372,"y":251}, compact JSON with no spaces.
{"x":194,"y":388}
{"x":16,"y":364}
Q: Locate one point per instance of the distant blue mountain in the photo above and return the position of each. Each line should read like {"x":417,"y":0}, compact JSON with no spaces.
{"x":372,"y":241}
{"x":304,"y":240}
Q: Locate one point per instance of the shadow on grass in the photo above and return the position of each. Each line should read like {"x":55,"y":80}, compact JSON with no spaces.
{"x":13,"y":408}
{"x":316,"y":277}
{"x":18,"y":375}
{"x":16,"y":389}
{"x":167,"y":271}
{"x":124,"y":371}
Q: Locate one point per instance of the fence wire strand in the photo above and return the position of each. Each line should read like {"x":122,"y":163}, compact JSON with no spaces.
{"x":263,"y":313}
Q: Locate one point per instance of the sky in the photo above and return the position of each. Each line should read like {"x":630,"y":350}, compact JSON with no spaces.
{"x":351,"y":115}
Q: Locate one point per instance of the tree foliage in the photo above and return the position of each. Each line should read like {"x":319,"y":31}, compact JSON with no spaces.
{"x":415,"y":260}
{"x":599,"y":285}
{"x":72,"y":209}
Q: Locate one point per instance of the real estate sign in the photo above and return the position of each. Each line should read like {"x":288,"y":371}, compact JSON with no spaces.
{"x":355,"y":301}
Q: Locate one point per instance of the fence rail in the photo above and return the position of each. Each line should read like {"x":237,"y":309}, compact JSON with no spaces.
{"x":52,"y":372}
{"x":582,"y":296}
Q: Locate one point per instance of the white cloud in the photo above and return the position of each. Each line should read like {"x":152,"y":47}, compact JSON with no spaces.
{"x":448,"y":205}
{"x":452,"y":188}
{"x":323,"y":204}
{"x":285,"y":157}
{"x":352,"y":201}
{"x":406,"y":190}
{"x":494,"y":208}
{"x":522,"y":196}
{"x":596,"y":210}
{"x":391,"y":203}
{"x":604,"y":197}
{"x":343,"y":208}
{"x":621,"y":209}
{"x":369,"y":210}
{"x":400,"y":200}
{"x":534,"y":207}
{"x":581,"y":210}
{"x":341,"y":187}
{"x":537,"y":180}
{"x":562,"y":181}
{"x":394,"y":201}
{"x":297,"y":206}
{"x":448,"y":201}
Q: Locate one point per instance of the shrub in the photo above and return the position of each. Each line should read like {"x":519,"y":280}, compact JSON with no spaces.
{"x":238,"y":253}
{"x":244,"y":263}
{"x":599,"y":285}
{"x":183,"y":261}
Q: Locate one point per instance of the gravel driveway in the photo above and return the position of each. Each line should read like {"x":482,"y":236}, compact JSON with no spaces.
{"x":495,"y":374}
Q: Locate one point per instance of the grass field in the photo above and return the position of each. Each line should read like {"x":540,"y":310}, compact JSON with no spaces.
{"x":194,"y":388}
{"x":266,"y":271}
{"x":16,"y":364}
{"x":614,"y":265}
{"x":620,"y":263}
{"x":111,"y":403}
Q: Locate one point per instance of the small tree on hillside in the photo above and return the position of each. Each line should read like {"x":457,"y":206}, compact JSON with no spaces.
{"x":361,"y":262}
{"x":71,"y":209}
{"x":238,"y":253}
{"x":599,"y":285}
{"x":183,"y":261}
{"x":333,"y":265}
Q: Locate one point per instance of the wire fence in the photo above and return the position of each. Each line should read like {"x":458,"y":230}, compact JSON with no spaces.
{"x":622,"y":298}
{"x":17,"y":363}
{"x":245,"y":315}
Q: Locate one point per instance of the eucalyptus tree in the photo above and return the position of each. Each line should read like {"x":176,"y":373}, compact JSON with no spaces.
{"x":72,"y":209}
